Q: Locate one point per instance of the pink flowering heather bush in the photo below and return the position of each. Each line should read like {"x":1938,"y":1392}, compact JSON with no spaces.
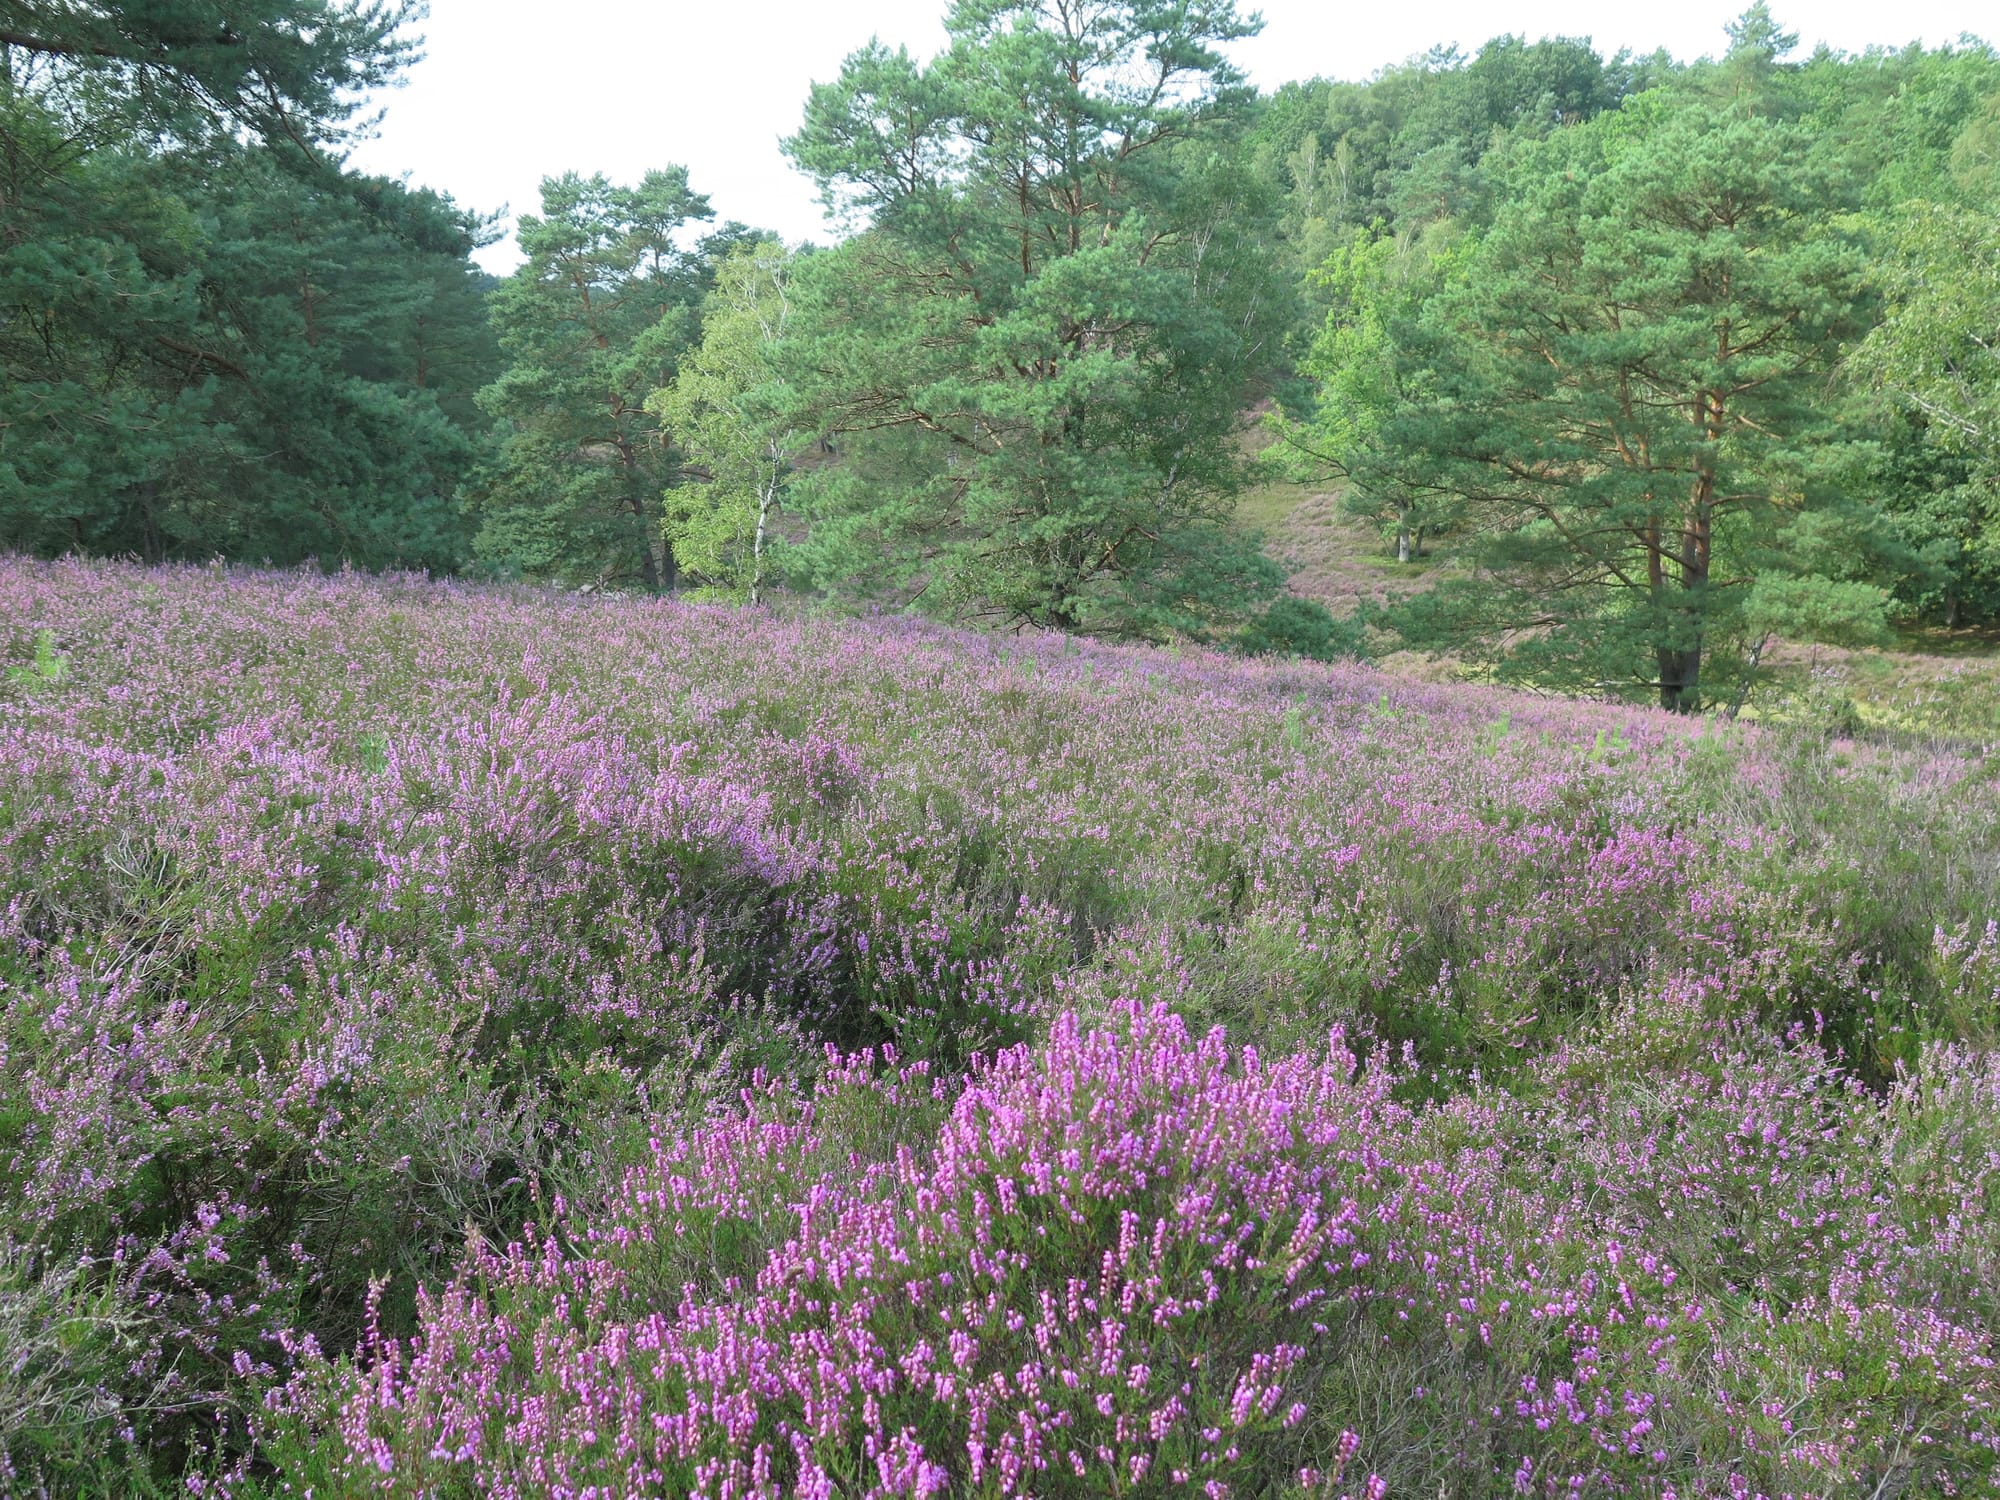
{"x":1131,"y":1261}
{"x":414,"y":1080}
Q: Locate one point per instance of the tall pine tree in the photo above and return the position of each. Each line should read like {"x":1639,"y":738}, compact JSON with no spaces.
{"x":1625,"y":388}
{"x":213,"y":338}
{"x":593,"y":323}
{"x":1036,"y":355}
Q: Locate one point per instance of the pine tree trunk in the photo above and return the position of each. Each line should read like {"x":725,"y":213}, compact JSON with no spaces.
{"x":149,"y":522}
{"x":1680,"y":666}
{"x":1680,"y":680}
{"x":1680,"y":673}
{"x":1670,"y":679}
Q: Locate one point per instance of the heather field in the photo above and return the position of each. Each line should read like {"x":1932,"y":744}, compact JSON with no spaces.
{"x":471,"y":1043}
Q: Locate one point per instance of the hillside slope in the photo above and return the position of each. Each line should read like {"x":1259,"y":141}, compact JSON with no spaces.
{"x":1932,"y":682}
{"x":1260,"y":1076}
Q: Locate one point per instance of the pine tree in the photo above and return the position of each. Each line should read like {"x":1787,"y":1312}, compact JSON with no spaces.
{"x":1035,"y":358}
{"x":207,"y":352}
{"x":1627,"y":393}
{"x":212,"y":337}
{"x":593,"y":323}
{"x":290,"y":72}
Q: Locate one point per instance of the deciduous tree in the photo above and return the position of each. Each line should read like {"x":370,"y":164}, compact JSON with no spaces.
{"x":729,"y":413}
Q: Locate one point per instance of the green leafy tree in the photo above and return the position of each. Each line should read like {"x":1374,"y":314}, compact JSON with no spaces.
{"x":1937,"y":347}
{"x":1934,"y":352}
{"x":1938,"y":508}
{"x":1410,"y":146}
{"x":1035,"y":357}
{"x":593,"y":323}
{"x":729,"y":414}
{"x":1975,"y":150}
{"x":1628,"y":401}
{"x":1901,"y":124}
{"x":1365,"y":368}
{"x":1291,"y":626}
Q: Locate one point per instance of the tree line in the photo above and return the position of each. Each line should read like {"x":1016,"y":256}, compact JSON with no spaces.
{"x":1676,"y":358}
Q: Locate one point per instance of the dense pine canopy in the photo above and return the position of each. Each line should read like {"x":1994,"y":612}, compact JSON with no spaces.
{"x":214,"y":338}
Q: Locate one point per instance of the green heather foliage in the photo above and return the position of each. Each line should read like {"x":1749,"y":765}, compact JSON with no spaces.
{"x":412,"y":1070}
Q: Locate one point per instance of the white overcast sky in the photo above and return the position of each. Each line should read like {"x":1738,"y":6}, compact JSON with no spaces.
{"x":511,"y":91}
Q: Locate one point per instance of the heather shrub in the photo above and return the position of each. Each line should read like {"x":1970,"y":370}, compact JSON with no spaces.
{"x":1938,"y":1156}
{"x":1095,"y":1276}
{"x":65,"y":1401}
{"x":1132,"y":1260}
{"x":386,"y":960}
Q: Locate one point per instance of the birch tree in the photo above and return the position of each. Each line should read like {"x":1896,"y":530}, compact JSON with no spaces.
{"x":730,"y":414}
